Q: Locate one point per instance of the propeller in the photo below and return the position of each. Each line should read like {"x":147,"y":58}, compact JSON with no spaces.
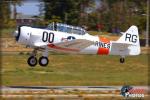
{"x":16,"y":33}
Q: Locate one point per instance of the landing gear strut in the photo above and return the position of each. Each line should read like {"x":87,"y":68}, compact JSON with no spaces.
{"x":122,"y":60}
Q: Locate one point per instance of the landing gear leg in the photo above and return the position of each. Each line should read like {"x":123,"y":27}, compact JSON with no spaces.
{"x":32,"y":60}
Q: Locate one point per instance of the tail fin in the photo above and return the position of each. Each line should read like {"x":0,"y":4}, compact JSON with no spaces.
{"x":131,"y":36}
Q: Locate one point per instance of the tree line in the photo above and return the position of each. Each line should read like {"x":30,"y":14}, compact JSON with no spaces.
{"x":108,"y":15}
{"x":101,"y":15}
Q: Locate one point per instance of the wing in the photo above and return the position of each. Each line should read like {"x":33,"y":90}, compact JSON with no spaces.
{"x":40,"y":44}
{"x":73,"y":46}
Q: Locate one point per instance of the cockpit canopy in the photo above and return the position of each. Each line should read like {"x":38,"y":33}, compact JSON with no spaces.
{"x":66,"y":28}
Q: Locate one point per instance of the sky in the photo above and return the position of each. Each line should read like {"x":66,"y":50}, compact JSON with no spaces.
{"x":29,"y":8}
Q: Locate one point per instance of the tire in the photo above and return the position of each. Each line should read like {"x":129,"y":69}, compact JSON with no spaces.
{"x":122,"y":60}
{"x":32,"y":61}
{"x":43,"y":61}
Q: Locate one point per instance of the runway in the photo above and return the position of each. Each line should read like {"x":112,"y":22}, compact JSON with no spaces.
{"x":57,"y":92}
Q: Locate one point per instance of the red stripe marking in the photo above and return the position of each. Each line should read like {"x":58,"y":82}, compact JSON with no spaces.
{"x":101,"y":50}
{"x":60,"y":48}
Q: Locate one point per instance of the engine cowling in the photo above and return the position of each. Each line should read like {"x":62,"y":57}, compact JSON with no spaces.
{"x":22,"y":34}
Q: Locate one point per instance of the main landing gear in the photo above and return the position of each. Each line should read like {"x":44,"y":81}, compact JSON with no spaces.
{"x":43,"y":60}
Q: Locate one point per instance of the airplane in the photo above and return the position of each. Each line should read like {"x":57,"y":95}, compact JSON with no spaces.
{"x":65,"y":38}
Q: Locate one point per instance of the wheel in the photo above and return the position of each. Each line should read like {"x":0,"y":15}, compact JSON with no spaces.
{"x":122,"y":60}
{"x":32,"y":61}
{"x":43,"y":61}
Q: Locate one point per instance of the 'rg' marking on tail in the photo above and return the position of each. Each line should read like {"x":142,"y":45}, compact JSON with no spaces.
{"x":131,"y":38}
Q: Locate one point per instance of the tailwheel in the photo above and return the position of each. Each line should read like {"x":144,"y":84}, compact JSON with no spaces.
{"x":32,"y":61}
{"x":122,"y":60}
{"x":43,"y":61}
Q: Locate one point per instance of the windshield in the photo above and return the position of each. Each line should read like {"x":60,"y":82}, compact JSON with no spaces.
{"x":66,"y":28}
